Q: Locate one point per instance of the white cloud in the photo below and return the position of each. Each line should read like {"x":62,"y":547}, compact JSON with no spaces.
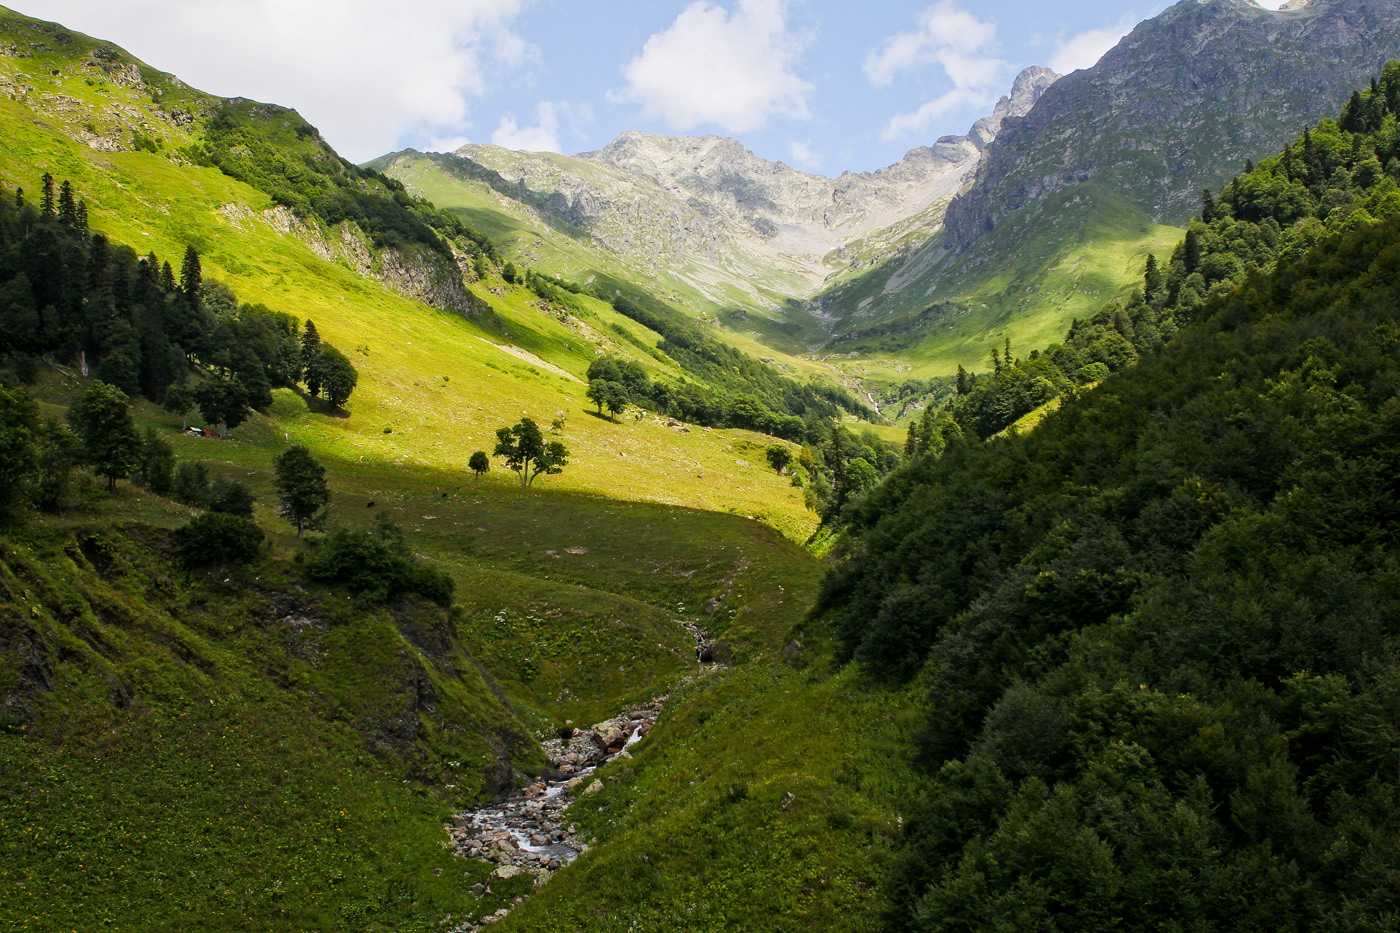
{"x":542,"y":137}
{"x":803,"y":155}
{"x":1084,"y":49}
{"x":918,"y":121}
{"x":952,"y":39}
{"x":734,"y":70}
{"x":445,"y":144}
{"x":365,"y":72}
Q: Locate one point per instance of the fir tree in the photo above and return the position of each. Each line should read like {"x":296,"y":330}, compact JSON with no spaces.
{"x":46,"y":200}
{"x":310,"y":346}
{"x":191,"y":278}
{"x":67,"y":208}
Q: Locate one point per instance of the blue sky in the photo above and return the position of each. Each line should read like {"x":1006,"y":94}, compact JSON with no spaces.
{"x":822,"y":85}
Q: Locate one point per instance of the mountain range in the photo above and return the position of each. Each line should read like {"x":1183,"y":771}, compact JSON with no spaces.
{"x":1052,"y":202}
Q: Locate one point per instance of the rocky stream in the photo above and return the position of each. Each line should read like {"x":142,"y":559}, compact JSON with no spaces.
{"x":528,"y":832}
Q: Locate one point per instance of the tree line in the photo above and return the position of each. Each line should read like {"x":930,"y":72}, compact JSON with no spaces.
{"x":70,"y":295}
{"x":1339,"y":175}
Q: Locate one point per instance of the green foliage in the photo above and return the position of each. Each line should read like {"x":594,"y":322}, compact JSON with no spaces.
{"x":19,"y":421}
{"x":330,"y":372}
{"x":274,"y":150}
{"x":59,"y":451}
{"x":230,"y":497}
{"x":779,"y":457}
{"x":479,"y":463}
{"x":190,"y":484}
{"x":301,"y":486}
{"x":526,"y":453}
{"x":217,"y":538}
{"x":102,"y":419}
{"x":157,"y":466}
{"x":223,"y":401}
{"x":1153,"y":631}
{"x":377,"y":566}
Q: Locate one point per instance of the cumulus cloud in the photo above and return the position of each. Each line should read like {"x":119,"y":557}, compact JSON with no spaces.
{"x":712,"y":66}
{"x":542,"y":137}
{"x":947,"y":37}
{"x":1084,"y":49}
{"x":366,"y":73}
{"x":803,"y":155}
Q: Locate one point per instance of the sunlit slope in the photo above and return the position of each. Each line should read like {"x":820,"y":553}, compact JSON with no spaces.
{"x":757,"y":316}
{"x":439,"y":383}
{"x":931,"y":311}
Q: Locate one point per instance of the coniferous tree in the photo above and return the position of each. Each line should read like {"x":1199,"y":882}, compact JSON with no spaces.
{"x":191,"y":278}
{"x":47,"y":203}
{"x":310,"y":344}
{"x":67,"y":207}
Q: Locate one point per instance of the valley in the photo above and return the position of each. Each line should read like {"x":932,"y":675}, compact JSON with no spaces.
{"x":665,"y":538}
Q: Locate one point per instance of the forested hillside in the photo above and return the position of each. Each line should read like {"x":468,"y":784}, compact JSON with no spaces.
{"x":1340,"y":175}
{"x":1157,"y":634}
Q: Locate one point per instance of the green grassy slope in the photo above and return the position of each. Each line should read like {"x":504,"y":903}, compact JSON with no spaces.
{"x":190,"y":755}
{"x":442,"y":383}
{"x":922,"y":315}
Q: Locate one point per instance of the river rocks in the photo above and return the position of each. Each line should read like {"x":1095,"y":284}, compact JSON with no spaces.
{"x":609,"y":735}
{"x":522,"y":833}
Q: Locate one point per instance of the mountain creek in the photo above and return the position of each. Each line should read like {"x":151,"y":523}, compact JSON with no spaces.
{"x":525,"y":833}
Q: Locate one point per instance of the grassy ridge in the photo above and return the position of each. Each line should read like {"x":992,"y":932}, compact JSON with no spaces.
{"x":441,"y":383}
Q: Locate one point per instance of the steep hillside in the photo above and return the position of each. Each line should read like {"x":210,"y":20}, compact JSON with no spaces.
{"x":1068,"y":200}
{"x":1156,"y":633}
{"x":254,"y":746}
{"x":441,"y":382}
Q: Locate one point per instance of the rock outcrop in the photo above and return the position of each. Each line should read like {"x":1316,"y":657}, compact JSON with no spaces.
{"x":1180,"y":104}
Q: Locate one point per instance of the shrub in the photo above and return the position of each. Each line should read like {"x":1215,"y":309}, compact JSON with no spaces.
{"x":377,"y":566}
{"x":215,"y":538}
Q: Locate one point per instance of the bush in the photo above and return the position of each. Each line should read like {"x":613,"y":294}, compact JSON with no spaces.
{"x":377,"y":566}
{"x":231,"y":497}
{"x":217,"y":538}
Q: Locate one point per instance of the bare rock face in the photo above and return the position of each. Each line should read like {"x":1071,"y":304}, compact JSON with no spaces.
{"x":1180,"y":104}
{"x":692,"y":202}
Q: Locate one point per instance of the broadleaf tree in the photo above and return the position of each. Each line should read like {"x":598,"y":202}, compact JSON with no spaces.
{"x":524,"y":450}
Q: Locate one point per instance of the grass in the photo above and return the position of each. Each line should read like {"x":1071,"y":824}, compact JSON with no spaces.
{"x":440,"y":383}
{"x":1091,"y":252}
{"x":242,"y":750}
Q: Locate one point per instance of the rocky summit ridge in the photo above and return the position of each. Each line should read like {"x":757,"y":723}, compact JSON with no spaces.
{"x":1180,"y":104}
{"x":718,"y":213}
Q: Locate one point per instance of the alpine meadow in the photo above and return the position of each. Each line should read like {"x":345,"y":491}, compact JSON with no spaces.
{"x":664,"y":537}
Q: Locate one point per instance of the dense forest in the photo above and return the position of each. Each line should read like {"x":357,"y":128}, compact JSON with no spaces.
{"x":71,"y":295}
{"x":1339,"y":175}
{"x":1158,"y":635}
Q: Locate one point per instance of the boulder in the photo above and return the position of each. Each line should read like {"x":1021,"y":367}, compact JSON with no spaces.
{"x":609,"y":735}
{"x":506,"y":872}
{"x":593,"y":788}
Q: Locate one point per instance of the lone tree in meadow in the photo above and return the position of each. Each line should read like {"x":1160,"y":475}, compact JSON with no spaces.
{"x":479,"y":463}
{"x":779,"y":457}
{"x":301,"y":486}
{"x":525,"y":451}
{"x":111,"y":444}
